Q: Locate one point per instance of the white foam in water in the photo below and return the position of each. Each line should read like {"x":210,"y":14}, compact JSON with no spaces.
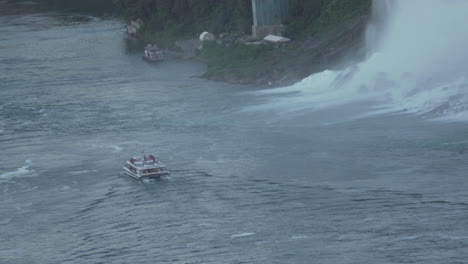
{"x":31,"y":189}
{"x":5,"y":221}
{"x":417,"y":63}
{"x":206,"y":224}
{"x":82,"y":172}
{"x":65,"y":188}
{"x":115,"y":148}
{"x":20,"y":172}
{"x":24,"y":207}
{"x":409,"y":237}
{"x":299,"y":237}
{"x":242,"y":235}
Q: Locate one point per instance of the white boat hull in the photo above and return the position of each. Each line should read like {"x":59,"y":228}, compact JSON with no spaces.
{"x":153,"y":175}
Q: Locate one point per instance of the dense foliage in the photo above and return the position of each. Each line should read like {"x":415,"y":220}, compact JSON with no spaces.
{"x":186,"y":17}
{"x":89,"y":6}
{"x":316,"y":16}
{"x":240,"y":60}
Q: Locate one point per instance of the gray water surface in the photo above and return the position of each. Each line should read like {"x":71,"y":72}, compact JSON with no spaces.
{"x":77,"y":100}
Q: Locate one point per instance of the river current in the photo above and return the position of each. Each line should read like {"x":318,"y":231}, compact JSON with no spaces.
{"x":247,"y":185}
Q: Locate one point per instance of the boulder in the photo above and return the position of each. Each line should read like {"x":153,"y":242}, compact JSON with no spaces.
{"x":206,"y":36}
{"x":134,"y":26}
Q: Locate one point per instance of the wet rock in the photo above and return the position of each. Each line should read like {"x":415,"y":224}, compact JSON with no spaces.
{"x":206,"y":36}
{"x":134,"y":26}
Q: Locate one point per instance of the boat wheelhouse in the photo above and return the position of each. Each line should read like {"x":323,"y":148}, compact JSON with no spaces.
{"x":146,"y":167}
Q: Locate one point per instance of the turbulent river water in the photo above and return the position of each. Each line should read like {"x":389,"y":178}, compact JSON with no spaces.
{"x":250,"y":183}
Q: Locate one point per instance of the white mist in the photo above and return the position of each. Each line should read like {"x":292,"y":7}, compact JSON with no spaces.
{"x":417,"y":62}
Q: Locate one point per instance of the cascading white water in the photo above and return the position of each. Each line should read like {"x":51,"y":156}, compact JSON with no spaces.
{"x":417,"y":62}
{"x":378,"y":24}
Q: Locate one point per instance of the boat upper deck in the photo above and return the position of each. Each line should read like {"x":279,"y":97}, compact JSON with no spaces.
{"x":145,"y":163}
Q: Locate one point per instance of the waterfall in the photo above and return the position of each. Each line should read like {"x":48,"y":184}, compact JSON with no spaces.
{"x":417,"y":63}
{"x":378,"y":24}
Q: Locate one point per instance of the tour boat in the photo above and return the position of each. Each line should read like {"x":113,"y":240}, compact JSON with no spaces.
{"x":153,"y":53}
{"x":146,"y":167}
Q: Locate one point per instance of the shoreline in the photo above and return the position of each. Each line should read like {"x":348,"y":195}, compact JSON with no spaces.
{"x":284,"y":65}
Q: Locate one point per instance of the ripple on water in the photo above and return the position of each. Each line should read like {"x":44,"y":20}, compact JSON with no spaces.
{"x":242,"y":235}
{"x":23,"y":171}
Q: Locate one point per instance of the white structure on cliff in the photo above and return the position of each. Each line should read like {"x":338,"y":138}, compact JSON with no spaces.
{"x":268,"y":16}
